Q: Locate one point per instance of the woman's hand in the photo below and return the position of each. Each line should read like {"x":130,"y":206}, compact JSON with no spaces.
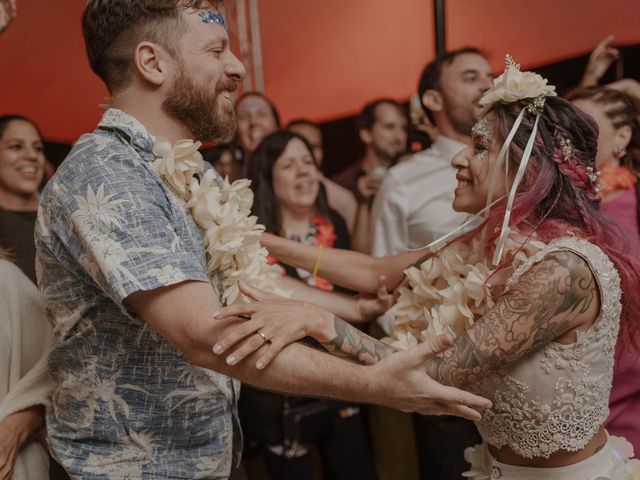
{"x":276,"y":320}
{"x":599,"y":61}
{"x":369,"y":307}
{"x":15,"y":431}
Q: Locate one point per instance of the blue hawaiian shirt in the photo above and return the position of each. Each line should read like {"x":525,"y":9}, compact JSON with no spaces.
{"x":127,"y":403}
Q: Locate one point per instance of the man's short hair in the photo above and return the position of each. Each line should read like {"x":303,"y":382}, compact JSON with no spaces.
{"x":367,"y":117}
{"x":113,"y":28}
{"x":431,"y":78}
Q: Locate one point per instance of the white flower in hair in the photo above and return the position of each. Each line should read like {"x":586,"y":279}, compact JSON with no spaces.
{"x":514,"y":85}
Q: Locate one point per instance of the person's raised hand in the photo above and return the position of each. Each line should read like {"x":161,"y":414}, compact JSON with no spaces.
{"x":8,"y":11}
{"x":599,"y":61}
{"x":401,"y":382}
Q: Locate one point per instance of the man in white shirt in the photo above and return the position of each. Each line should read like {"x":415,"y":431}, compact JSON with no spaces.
{"x":413,"y":206}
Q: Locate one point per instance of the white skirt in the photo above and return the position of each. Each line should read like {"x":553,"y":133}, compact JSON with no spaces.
{"x":612,"y":462}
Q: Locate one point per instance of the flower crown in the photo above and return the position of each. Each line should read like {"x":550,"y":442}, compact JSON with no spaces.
{"x":516,"y":86}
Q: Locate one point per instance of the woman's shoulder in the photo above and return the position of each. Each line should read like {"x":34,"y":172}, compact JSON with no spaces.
{"x":574,"y":253}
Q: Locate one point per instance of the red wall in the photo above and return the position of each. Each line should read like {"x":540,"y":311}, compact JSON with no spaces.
{"x":541,"y":31}
{"x":323,"y":58}
{"x":44,"y":73}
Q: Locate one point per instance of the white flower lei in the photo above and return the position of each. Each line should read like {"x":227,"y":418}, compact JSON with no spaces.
{"x":449,"y":290}
{"x":231,"y":233}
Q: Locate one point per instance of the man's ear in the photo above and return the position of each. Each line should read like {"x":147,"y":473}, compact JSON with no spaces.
{"x":432,"y":99}
{"x":150,"y":61}
{"x":365,"y":136}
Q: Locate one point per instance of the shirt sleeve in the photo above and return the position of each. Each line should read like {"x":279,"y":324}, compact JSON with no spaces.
{"x":117,"y":223}
{"x":389,"y":219}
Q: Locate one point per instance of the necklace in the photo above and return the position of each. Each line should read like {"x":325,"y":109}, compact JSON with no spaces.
{"x":223,"y":212}
{"x":453,"y":288}
{"x":614,"y":178}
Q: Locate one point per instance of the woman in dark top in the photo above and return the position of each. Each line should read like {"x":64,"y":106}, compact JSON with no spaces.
{"x":22,"y":165}
{"x":290,"y":202}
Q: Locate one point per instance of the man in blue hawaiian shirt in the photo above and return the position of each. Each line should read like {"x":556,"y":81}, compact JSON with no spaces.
{"x":140,"y":393}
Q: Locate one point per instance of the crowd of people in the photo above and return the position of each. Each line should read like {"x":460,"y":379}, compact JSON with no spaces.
{"x":465,"y":310}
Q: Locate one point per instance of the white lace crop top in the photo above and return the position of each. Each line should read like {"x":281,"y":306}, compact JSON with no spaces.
{"x":558,"y":397}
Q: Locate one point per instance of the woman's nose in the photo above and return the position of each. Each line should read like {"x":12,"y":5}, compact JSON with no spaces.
{"x":461,"y":160}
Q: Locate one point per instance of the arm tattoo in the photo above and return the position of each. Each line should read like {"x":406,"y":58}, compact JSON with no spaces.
{"x":352,"y":344}
{"x":558,"y":294}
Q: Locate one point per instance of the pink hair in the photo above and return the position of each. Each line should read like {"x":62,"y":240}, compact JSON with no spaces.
{"x":555,"y":198}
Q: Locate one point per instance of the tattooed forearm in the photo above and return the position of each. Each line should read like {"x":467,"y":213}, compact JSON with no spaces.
{"x":557,"y":295}
{"x":355,"y":345}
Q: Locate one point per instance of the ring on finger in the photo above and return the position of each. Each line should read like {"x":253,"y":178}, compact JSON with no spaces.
{"x":264,"y":337}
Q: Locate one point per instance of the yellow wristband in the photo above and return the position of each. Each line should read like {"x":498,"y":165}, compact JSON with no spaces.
{"x":316,"y":265}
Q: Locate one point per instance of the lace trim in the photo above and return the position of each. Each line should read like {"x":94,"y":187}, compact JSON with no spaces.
{"x":533,"y":426}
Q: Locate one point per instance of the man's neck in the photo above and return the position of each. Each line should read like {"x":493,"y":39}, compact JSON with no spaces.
{"x":153,"y":117}
{"x":445,"y":128}
{"x":371,"y":160}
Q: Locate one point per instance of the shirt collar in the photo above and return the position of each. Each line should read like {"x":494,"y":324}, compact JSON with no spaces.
{"x":130,"y":130}
{"x":448,"y":147}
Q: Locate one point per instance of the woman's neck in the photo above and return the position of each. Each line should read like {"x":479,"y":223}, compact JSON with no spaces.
{"x":18,"y":203}
{"x":297,"y":221}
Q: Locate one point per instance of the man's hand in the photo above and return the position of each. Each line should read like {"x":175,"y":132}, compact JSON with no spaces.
{"x":407,"y":387}
{"x":599,"y":62}
{"x":8,"y":11}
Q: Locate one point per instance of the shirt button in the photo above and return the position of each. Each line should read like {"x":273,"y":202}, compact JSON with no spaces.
{"x":495,"y":473}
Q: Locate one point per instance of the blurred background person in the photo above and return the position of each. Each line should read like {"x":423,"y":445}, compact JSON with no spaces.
{"x":340,"y":199}
{"x":256,"y":117}
{"x":383,"y":129}
{"x":618,"y":161}
{"x":290,"y":202}
{"x":22,"y":163}
{"x":222,"y":158}
{"x":25,"y":341}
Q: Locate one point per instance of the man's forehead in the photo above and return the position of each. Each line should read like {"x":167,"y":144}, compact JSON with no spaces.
{"x":206,"y":25}
{"x":469,"y":62}
{"x":388,"y":111}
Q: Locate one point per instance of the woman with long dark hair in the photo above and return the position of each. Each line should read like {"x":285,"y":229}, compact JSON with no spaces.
{"x":290,"y":201}
{"x":22,"y":170}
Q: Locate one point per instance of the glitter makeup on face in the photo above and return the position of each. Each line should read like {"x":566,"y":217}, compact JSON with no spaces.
{"x":482,"y":130}
{"x":213,"y":18}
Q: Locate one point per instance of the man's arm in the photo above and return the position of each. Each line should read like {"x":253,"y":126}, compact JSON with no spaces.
{"x":183,"y":315}
{"x":553,"y":299}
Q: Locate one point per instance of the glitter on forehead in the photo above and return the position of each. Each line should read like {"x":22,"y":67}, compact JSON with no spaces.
{"x":213,"y":18}
{"x":482,"y":130}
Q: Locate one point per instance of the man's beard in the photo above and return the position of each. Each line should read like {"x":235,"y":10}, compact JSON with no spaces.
{"x":199,"y":109}
{"x":462,"y":117}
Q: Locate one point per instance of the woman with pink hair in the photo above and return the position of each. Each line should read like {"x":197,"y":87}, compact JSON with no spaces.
{"x":536,"y":295}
